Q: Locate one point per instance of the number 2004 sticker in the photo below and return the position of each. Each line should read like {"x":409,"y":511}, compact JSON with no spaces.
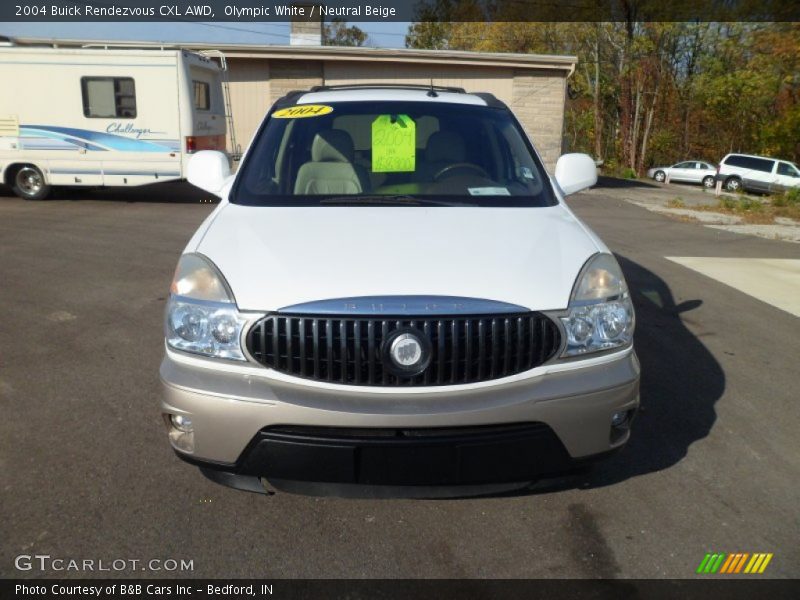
{"x":306,"y":110}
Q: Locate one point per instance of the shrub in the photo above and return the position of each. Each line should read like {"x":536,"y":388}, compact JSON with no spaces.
{"x":793,"y":197}
{"x":750,"y":204}
{"x":780,"y":201}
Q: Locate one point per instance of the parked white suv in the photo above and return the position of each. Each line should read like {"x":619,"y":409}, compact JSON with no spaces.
{"x":757,"y":174}
{"x":393,"y":298}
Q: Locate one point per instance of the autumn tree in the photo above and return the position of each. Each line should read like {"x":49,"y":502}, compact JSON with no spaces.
{"x":646,"y":92}
{"x":338,"y":33}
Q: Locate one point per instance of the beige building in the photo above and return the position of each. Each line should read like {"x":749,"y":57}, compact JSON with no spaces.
{"x":533,"y":85}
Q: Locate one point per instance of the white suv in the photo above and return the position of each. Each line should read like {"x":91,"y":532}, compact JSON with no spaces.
{"x":393,"y":298}
{"x":757,"y":174}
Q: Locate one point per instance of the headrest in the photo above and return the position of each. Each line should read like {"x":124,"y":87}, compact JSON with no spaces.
{"x":332,"y":145}
{"x":445,"y":146}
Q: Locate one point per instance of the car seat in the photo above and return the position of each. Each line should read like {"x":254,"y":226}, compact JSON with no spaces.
{"x":331,"y":169}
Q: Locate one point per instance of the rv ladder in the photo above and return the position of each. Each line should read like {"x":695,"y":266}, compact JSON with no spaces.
{"x":236,"y":151}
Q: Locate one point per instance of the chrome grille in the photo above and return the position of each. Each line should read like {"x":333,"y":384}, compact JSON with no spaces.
{"x":347,"y":350}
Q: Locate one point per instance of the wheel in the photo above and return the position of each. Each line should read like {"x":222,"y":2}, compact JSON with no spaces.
{"x":29,"y":183}
{"x":660,"y":176}
{"x":733,"y":184}
{"x":709,"y":181}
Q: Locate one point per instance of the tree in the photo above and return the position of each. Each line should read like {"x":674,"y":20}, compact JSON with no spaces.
{"x":646,"y":92}
{"x":435,"y":21}
{"x":339,"y":34}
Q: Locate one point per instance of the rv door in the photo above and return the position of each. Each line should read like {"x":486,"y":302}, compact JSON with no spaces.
{"x":206,"y":126}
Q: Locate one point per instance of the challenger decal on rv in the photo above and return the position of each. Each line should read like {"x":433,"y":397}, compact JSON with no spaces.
{"x":130,"y":128}
{"x":92,"y":140}
{"x":105,"y":117}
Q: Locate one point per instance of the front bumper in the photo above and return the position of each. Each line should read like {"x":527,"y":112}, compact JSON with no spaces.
{"x":255,"y":426}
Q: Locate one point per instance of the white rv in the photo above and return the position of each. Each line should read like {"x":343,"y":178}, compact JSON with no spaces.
{"x":104,"y":117}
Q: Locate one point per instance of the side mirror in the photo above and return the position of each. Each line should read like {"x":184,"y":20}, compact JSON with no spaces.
{"x":209,"y":170}
{"x":575,"y":172}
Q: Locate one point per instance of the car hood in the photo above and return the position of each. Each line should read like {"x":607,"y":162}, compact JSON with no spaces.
{"x":275,"y":257}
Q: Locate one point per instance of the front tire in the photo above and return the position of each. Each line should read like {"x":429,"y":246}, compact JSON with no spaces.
{"x":29,"y":183}
{"x":733,"y":184}
{"x":709,"y":181}
{"x":660,"y":176}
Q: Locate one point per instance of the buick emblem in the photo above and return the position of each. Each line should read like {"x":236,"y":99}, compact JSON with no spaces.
{"x":407,"y":352}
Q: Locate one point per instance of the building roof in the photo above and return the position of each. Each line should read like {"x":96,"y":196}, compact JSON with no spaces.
{"x":338,"y":53}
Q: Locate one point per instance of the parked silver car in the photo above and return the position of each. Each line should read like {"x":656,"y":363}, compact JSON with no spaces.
{"x":691,"y":171}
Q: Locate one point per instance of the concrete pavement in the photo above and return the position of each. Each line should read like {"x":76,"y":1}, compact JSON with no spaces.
{"x":775,"y":281}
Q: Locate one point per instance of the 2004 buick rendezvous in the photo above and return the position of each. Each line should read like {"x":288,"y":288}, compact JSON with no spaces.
{"x":393,"y":298}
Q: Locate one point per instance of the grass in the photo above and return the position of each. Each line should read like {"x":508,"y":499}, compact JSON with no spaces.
{"x":676,"y":203}
{"x":789,"y":199}
{"x":756,"y":210}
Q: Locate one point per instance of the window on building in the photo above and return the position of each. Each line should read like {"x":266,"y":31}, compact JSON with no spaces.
{"x":108,"y":97}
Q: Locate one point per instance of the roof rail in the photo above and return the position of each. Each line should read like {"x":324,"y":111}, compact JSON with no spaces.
{"x":491,"y":100}
{"x":289,"y":98}
{"x":400,"y":86}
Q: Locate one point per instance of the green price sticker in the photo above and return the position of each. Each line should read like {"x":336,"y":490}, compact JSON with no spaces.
{"x":394,"y":144}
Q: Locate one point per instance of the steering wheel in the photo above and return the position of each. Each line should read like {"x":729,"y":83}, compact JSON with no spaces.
{"x":462,"y":165}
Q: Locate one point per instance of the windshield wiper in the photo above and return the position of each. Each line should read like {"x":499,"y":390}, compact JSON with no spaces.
{"x":391,"y":199}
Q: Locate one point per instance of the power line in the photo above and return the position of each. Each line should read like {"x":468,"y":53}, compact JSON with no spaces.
{"x":240,"y":29}
{"x":206,"y":24}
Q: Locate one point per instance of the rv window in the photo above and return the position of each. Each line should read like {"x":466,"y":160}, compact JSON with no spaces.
{"x":108,"y":97}
{"x":202,"y":95}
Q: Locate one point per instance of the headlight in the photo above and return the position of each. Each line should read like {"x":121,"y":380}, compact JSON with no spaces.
{"x":600,"y":310}
{"x":201,"y":314}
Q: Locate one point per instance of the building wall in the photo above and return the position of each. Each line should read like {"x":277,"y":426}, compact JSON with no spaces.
{"x":250,"y":97}
{"x":288,"y":75}
{"x":496,"y":80}
{"x":256,"y":83}
{"x":538,"y":101}
{"x":536,"y":96}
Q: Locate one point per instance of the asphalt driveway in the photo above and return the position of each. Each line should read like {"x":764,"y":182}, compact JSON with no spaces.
{"x":87,"y":472}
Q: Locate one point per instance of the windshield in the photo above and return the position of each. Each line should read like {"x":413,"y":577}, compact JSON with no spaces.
{"x":392,"y":153}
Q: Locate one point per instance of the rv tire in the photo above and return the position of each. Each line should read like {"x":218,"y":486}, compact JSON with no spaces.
{"x":28,"y":182}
